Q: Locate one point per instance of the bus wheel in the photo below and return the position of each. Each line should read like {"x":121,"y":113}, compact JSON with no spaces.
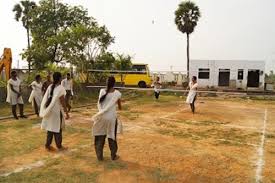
{"x":142,"y":84}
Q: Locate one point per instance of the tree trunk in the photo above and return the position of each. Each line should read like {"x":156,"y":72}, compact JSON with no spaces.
{"x":87,"y":77}
{"x":29,"y":46}
{"x":188,"y":71}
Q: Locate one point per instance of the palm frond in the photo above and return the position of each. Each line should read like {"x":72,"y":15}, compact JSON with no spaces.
{"x":18,"y":11}
{"x":187,"y":16}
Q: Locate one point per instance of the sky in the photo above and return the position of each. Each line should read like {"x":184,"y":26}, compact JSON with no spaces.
{"x":145,"y":29}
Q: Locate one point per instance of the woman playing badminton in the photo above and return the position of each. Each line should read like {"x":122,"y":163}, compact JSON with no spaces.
{"x":192,"y":95}
{"x":53,"y":111}
{"x":105,"y":121}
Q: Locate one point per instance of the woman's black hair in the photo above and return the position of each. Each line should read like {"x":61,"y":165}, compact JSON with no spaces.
{"x":195,"y":78}
{"x":56,"y":79}
{"x":110,"y":84}
{"x":37,"y":77}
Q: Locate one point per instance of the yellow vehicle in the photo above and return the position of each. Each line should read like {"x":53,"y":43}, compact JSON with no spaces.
{"x":5,"y":62}
{"x":139,"y":76}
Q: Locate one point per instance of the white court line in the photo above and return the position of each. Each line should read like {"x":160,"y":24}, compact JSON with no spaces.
{"x":25,"y":167}
{"x":260,"y":150}
{"x":41,"y":163}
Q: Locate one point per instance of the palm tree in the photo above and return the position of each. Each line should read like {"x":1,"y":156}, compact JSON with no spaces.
{"x":187,"y":16}
{"x":22,"y":13}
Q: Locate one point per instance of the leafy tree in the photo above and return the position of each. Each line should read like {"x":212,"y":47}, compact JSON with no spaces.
{"x":186,"y":19}
{"x":123,"y":63}
{"x":86,"y":47}
{"x":66,"y":34}
{"x":49,"y":24}
{"x":105,"y":61}
{"x":22,"y":12}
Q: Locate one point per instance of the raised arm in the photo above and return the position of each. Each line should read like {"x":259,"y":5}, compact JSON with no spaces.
{"x":195,"y":86}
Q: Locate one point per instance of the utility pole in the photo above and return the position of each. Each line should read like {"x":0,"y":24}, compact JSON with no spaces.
{"x":171,"y":68}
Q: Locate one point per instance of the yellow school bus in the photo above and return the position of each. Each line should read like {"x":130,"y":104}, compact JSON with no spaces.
{"x":139,"y":76}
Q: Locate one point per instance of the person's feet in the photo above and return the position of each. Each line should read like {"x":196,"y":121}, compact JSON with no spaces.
{"x":15,"y":117}
{"x":62,"y":148}
{"x":50,"y":149}
{"x":115,"y":158}
{"x":100,"y":159}
{"x":23,"y":116}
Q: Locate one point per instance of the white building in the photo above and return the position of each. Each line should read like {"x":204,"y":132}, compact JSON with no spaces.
{"x":170,"y":77}
{"x":241,"y":74}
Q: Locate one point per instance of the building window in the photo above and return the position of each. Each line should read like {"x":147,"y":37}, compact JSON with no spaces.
{"x":204,"y":73}
{"x":240,"y":74}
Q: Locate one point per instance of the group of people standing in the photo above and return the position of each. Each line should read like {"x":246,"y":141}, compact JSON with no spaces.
{"x":51,"y":101}
{"x":14,"y":93}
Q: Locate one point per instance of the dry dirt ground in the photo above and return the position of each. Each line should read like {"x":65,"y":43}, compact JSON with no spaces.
{"x":227,"y":140}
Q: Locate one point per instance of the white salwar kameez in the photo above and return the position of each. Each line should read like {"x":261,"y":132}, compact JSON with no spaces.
{"x":192,"y":92}
{"x":52,"y":119}
{"x":105,"y":120}
{"x":36,"y":93}
{"x":12,"y":97}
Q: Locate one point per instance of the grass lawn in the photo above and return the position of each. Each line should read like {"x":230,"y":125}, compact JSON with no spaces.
{"x":162,"y":142}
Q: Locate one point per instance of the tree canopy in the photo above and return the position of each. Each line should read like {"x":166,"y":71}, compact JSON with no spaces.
{"x":64,"y":33}
{"x":187,"y":16}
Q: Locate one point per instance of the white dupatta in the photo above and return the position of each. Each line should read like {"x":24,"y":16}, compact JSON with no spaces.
{"x":44,"y":111}
{"x":53,"y":115}
{"x":100,"y":123}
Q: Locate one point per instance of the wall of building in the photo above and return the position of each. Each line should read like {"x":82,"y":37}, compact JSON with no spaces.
{"x":233,"y":65}
{"x":169,"y":77}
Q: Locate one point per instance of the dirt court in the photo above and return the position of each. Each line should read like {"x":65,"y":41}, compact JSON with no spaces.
{"x":227,"y":140}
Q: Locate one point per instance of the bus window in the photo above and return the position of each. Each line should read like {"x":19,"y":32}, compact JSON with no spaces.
{"x":139,"y":67}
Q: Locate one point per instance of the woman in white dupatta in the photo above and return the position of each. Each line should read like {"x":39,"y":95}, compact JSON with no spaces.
{"x":36,"y":95}
{"x":105,"y":121}
{"x":192,"y":95}
{"x":52,"y":111}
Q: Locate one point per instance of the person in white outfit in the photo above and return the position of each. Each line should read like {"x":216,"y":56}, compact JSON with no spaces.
{"x":192,"y":95}
{"x":36,"y":95}
{"x":157,"y":87}
{"x":68,"y":85}
{"x":14,"y":95}
{"x":53,"y":110}
{"x":105,"y":121}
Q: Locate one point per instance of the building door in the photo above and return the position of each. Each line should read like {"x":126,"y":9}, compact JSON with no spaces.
{"x":224,"y":77}
{"x":253,"y":79}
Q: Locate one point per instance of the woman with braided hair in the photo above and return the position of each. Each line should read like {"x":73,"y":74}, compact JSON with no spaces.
{"x":52,"y":111}
{"x":105,"y":121}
